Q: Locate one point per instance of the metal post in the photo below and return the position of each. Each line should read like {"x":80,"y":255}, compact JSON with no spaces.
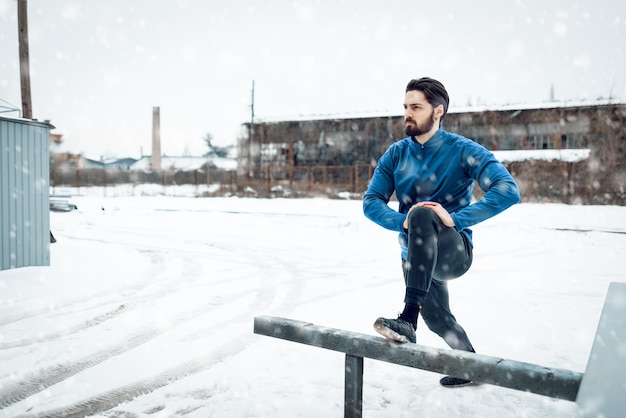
{"x":353,"y":403}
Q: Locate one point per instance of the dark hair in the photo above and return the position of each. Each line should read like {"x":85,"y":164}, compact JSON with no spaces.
{"x":434,"y":91}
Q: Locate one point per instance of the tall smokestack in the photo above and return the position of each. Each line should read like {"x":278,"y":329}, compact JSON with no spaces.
{"x":155,"y":158}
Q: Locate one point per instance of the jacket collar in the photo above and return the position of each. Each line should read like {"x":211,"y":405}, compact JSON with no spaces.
{"x":434,"y":142}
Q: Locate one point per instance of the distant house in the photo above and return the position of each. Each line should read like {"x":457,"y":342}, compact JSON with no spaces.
{"x":71,"y":162}
{"x":68,"y":161}
{"x":120,"y":164}
{"x":87,"y":163}
{"x":185,"y":163}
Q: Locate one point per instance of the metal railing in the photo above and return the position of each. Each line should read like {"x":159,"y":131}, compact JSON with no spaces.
{"x":555,"y":383}
{"x":599,"y":392}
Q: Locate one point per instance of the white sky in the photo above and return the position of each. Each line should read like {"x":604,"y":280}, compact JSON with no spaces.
{"x":98,"y":68}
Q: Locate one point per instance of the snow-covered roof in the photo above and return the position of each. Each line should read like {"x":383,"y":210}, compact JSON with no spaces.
{"x":565,"y":155}
{"x":186,"y":163}
{"x":452,"y":109}
{"x":532,"y":106}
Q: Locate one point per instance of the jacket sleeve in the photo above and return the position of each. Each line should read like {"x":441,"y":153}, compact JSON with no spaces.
{"x":379,"y":191}
{"x":501,"y":190}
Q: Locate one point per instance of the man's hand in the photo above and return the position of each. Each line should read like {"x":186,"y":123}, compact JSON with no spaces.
{"x":443,"y":214}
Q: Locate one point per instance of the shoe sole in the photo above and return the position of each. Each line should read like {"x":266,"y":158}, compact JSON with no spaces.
{"x":389,"y":333}
{"x":462,"y":385}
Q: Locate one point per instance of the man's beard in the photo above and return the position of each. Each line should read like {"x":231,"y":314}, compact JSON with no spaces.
{"x":420,"y":129}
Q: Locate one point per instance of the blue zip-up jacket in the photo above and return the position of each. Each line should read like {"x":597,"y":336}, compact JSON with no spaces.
{"x":442,"y":170}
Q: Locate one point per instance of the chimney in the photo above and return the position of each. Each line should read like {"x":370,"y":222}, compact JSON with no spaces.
{"x":155,"y":158}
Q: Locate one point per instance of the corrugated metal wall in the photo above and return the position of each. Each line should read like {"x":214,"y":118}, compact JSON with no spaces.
{"x":24,"y":193}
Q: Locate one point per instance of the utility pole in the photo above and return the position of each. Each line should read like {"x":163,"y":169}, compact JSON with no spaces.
{"x":22,"y":25}
{"x":251,"y":132}
{"x":252,"y":113}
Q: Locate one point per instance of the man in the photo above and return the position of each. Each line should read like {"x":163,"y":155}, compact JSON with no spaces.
{"x":432,"y":173}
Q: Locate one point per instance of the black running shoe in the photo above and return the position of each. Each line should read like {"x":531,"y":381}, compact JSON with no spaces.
{"x":395,"y":329}
{"x":455,"y":382}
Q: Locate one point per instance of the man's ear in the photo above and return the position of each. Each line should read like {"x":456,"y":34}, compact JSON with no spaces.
{"x":439,"y":111}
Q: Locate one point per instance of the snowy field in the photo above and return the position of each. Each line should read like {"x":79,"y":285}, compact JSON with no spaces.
{"x":148,"y":306}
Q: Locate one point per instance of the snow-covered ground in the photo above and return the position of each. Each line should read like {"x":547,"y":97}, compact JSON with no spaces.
{"x":148,"y":306}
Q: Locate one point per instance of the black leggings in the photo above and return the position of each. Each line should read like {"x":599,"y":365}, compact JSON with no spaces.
{"x":436,"y":253}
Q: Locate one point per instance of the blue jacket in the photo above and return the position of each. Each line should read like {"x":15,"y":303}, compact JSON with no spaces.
{"x":442,"y":170}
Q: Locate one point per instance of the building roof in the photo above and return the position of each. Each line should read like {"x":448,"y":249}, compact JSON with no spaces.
{"x":186,"y":163}
{"x":28,"y":121}
{"x":454,"y":109}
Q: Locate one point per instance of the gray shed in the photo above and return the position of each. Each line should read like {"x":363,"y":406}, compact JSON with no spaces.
{"x":24,"y":193}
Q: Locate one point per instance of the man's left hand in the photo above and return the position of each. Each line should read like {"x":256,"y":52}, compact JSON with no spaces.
{"x":443,"y":214}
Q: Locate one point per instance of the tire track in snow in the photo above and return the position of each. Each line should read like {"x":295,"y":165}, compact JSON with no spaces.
{"x":70,"y":307}
{"x":272,"y":260}
{"x":289,"y":273}
{"x":162,"y":286}
{"x":109,"y":400}
{"x":71,"y":330}
{"x":236,"y":342}
{"x":74,"y":305}
{"x":37,"y":382}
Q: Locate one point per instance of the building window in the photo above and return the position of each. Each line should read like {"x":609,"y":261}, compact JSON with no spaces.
{"x":542,"y":141}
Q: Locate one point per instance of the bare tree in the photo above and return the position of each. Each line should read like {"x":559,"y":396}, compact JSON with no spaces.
{"x":214,"y":150}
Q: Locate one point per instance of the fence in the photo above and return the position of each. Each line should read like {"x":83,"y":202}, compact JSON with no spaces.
{"x":540,"y":181}
{"x":272,"y":181}
{"x":586,"y":182}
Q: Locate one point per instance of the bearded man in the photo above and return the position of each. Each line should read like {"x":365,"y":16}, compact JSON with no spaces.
{"x":432,"y":173}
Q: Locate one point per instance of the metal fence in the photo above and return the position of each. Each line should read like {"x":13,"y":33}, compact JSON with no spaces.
{"x":539,"y":181}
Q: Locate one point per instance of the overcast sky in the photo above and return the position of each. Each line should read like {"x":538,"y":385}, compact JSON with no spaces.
{"x":99,"y":67}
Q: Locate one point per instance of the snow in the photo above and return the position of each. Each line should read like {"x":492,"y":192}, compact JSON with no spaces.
{"x":565,"y":155}
{"x":453,"y":109}
{"x":148,"y":306}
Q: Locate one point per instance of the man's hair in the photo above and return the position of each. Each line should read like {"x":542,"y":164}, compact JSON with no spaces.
{"x":434,"y":91}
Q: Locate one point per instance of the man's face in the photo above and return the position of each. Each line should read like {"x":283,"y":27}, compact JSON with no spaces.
{"x":419,"y":115}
